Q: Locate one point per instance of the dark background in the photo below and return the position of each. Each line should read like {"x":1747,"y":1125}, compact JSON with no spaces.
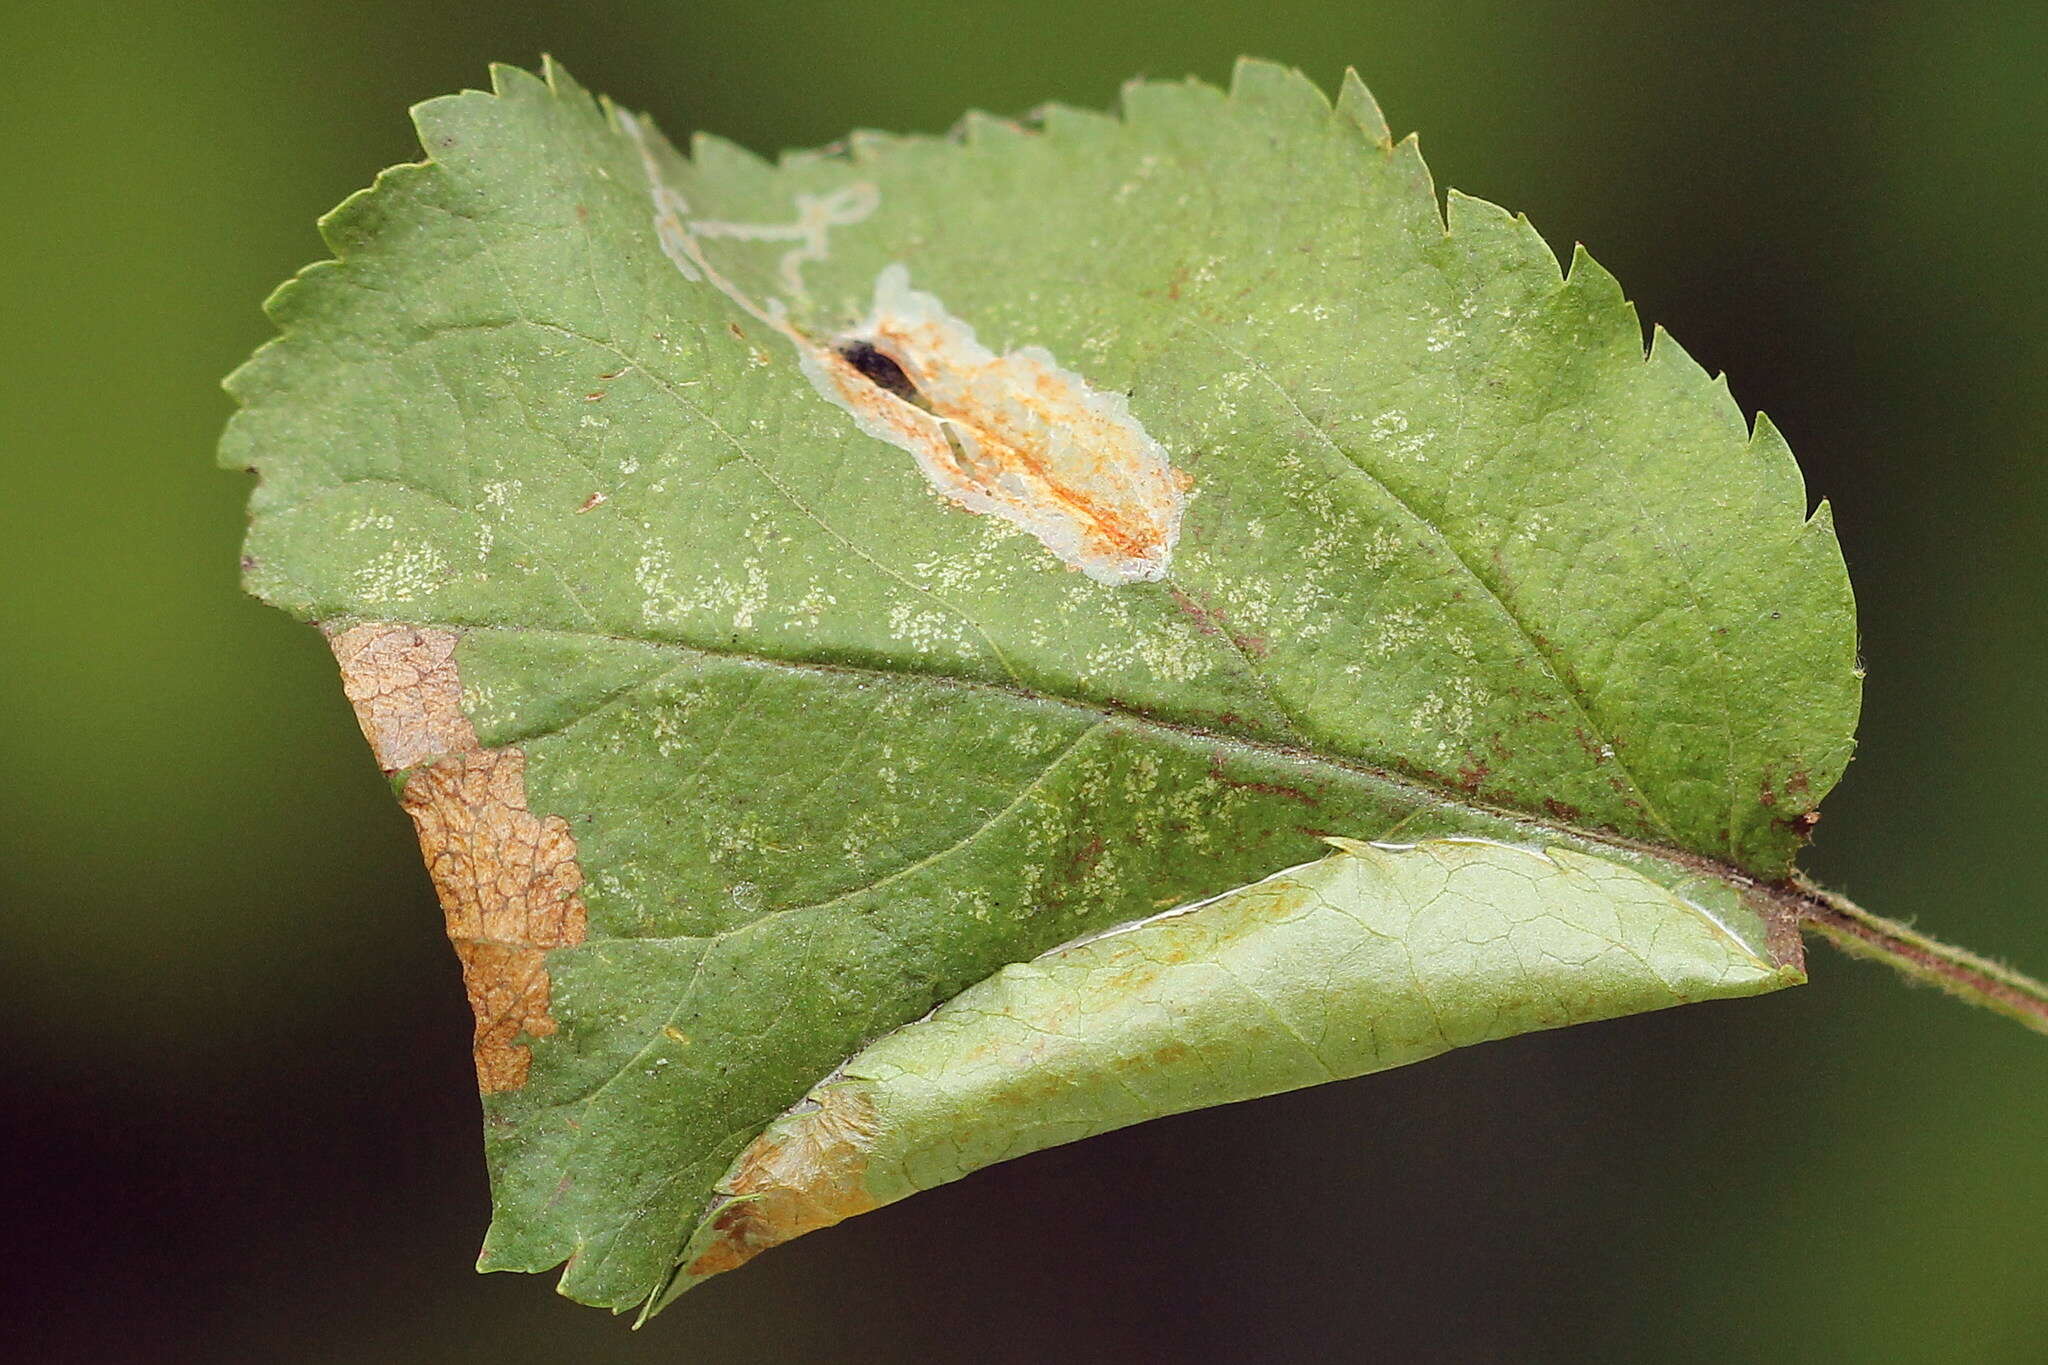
{"x":238,"y":1112}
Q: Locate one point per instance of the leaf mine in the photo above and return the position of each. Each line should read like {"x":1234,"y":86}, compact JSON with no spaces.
{"x":807,"y":1173}
{"x":507,"y":879}
{"x":406,"y":692}
{"x":1014,"y":436}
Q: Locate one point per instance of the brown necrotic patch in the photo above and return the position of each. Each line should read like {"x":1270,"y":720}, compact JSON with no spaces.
{"x":806,"y":1172}
{"x":1014,"y":436}
{"x":510,"y":889}
{"x":508,"y":881}
{"x":405,"y":690}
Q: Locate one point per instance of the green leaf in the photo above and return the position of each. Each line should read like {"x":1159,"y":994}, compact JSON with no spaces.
{"x":1374,"y":957}
{"x":792,"y":594}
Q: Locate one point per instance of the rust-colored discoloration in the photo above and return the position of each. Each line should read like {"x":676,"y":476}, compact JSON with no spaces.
{"x":406,"y":692}
{"x":1472,"y":774}
{"x":1014,"y":436}
{"x":1210,"y":621}
{"x":1083,"y":859}
{"x":1782,"y":939}
{"x":510,"y":889}
{"x":1217,"y":773}
{"x":1166,"y":1055}
{"x":508,"y":880}
{"x":806,"y":1172}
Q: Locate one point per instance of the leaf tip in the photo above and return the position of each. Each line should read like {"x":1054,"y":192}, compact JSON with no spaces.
{"x":979,"y":128}
{"x":1273,"y":86}
{"x":511,"y":81}
{"x":1355,"y":102}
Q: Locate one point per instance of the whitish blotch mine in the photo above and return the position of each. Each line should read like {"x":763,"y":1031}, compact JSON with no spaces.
{"x":1014,"y":436}
{"x":508,"y":881}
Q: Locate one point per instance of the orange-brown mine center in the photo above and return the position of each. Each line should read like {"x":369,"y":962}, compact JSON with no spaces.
{"x":988,"y":445}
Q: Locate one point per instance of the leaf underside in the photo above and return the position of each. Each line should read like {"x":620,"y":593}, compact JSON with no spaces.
{"x":743,"y":731}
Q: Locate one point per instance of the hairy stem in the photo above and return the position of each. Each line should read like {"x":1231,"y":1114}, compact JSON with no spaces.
{"x":1956,"y":970}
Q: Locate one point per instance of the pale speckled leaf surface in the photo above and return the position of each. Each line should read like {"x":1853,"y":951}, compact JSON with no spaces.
{"x":1457,"y":560}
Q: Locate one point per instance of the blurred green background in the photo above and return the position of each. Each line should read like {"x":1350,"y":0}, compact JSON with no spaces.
{"x":237,"y":1097}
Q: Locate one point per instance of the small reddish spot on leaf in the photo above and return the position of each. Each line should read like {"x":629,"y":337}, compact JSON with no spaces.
{"x":1218,"y":773}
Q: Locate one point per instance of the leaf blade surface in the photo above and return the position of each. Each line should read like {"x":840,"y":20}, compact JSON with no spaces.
{"x":1456,"y":560}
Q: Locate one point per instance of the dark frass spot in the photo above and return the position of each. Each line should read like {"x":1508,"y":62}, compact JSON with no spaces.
{"x":879,"y":369}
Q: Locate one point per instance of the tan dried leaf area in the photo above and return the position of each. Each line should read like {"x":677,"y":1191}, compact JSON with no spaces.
{"x":508,"y":881}
{"x":1014,"y":436}
{"x":805,"y":1173}
{"x":405,"y":690}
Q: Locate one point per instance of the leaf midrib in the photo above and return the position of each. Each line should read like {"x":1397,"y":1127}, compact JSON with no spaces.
{"x":1261,"y":682}
{"x":1411,"y":791}
{"x":1421,"y":792}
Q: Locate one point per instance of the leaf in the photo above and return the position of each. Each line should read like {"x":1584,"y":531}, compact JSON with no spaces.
{"x":792,"y":595}
{"x":1374,"y":957}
